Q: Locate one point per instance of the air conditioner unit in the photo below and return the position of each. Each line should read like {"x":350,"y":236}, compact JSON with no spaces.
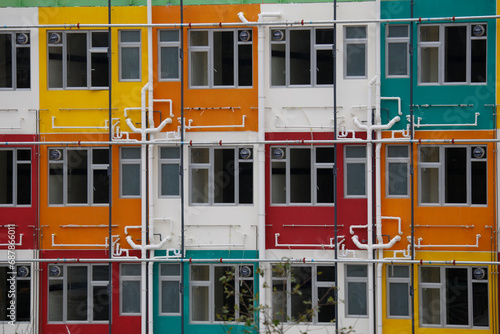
{"x":278,"y":35}
{"x":55,"y":271}
{"x":55,"y":155}
{"x":22,"y":38}
{"x":245,"y":35}
{"x":245,"y":271}
{"x":478,"y":273}
{"x":55,"y":38}
{"x":278,"y":153}
{"x":245,"y":153}
{"x":478,"y":152}
{"x":479,"y":30}
{"x":23,"y":271}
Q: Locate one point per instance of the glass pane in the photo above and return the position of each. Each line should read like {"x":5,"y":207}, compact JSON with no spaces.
{"x":324,"y":67}
{"x":397,"y":59}
{"x":455,"y":54}
{"x":326,"y":274}
{"x":246,"y":182}
{"x":55,"y":183}
{"x":429,"y":154}
{"x":23,"y":184}
{"x":357,"y":271}
{"x":397,"y":31}
{"x":23,"y":155}
{"x":130,"y":63}
{"x":131,"y":269}
{"x":170,"y":153}
{"x":23,"y":300}
{"x":169,"y":62}
{"x":399,"y":271}
{"x":200,"y":303}
{"x":223,"y":58}
{"x":199,"y":155}
{"x":324,"y":185}
{"x":324,"y":36}
{"x":431,"y":308}
{"x":325,"y":154}
{"x":131,"y":153}
{"x":170,"y":301}
{"x":77,"y":293}
{"x":56,"y":300}
{"x":300,"y":57}
{"x":172,"y":35}
{"x":76,"y":57}
{"x":478,"y":182}
{"x":398,"y":179}
{"x":429,"y":185}
{"x":199,"y":68}
{"x":278,"y":182}
{"x":200,"y":273}
{"x":131,"y":179}
{"x":77,"y":164}
{"x":429,"y":61}
{"x":170,"y":270}
{"x":245,"y":69}
{"x":326,"y":305}
{"x":399,"y":299}
{"x":278,"y":65}
{"x":23,"y":67}
{"x":478,"y":61}
{"x":131,"y":296}
{"x":456,"y":175}
{"x":224,"y":176}
{"x":279,"y":300}
{"x":100,"y":273}
{"x":199,"y":185}
{"x":355,"y":152}
{"x":100,"y":156}
{"x":99,"y":70}
{"x":100,"y":299}
{"x":198,"y":38}
{"x":356,"y":298}
{"x":55,"y":67}
{"x":356,"y":179}
{"x":301,"y":297}
{"x":356,"y":60}
{"x":429,"y":33}
{"x":170,"y":179}
{"x":130,"y":36}
{"x":397,"y":151}
{"x":6,"y":60}
{"x":300,"y":175}
{"x":430,"y":274}
{"x":224,"y":301}
{"x":100,"y":190}
{"x":479,"y":304}
{"x":457,"y":297}
{"x":99,"y":39}
{"x":6,"y":175}
{"x":355,"y":32}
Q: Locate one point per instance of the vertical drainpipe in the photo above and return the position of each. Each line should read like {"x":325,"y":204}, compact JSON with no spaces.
{"x":143,"y":213}
{"x":412,"y":180}
{"x":181,"y":171}
{"x":335,"y":204}
{"x":110,"y":185}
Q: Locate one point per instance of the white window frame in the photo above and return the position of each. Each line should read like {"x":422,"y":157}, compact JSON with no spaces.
{"x":391,"y":278}
{"x":314,"y":168}
{"x":90,"y":285}
{"x":441,"y":44}
{"x":397,"y":40}
{"x":210,"y":167}
{"x":355,"y":41}
{"x":352,"y":160}
{"x":91,"y":167}
{"x":168,"y":162}
{"x":15,"y":178}
{"x":209,"y":51}
{"x":441,"y":167}
{"x":15,"y":45}
{"x":313,"y":52}
{"x":212,"y":318}
{"x":62,"y":43}
{"x":284,"y":276}
{"x":442,"y":287}
{"x":355,"y":279}
{"x":14,"y":274}
{"x":129,"y":161}
{"x":169,"y":278}
{"x":397,"y":160}
{"x":130,"y":45}
{"x":169,"y":44}
{"x":129,"y":278}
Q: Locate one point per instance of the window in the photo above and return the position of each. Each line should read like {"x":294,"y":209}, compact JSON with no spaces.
{"x":397,"y":49}
{"x":453,"y":175}
{"x":301,"y":57}
{"x":220,"y":58}
{"x":130,"y":55}
{"x":78,"y":293}
{"x":454,"y":297}
{"x":208,"y":297}
{"x":15,"y":176}
{"x":452,"y":53}
{"x":302,"y":175}
{"x":221,"y":175}
{"x":170,"y":164}
{"x":170,"y":283}
{"x":355,"y":171}
{"x":169,"y":46}
{"x":130,"y":289}
{"x":398,"y":170}
{"x":303,"y":293}
{"x":355,"y":49}
{"x":398,"y":291}
{"x":356,"y":290}
{"x":78,"y":59}
{"x":15,"y":60}
{"x":130,"y":171}
{"x":78,"y":176}
{"x":20,"y":293}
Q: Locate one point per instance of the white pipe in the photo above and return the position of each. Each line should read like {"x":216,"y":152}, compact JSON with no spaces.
{"x":419,"y":245}
{"x":400,"y":113}
{"x":277,"y":244}
{"x":355,"y":240}
{"x":166,"y":100}
{"x":146,"y":247}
